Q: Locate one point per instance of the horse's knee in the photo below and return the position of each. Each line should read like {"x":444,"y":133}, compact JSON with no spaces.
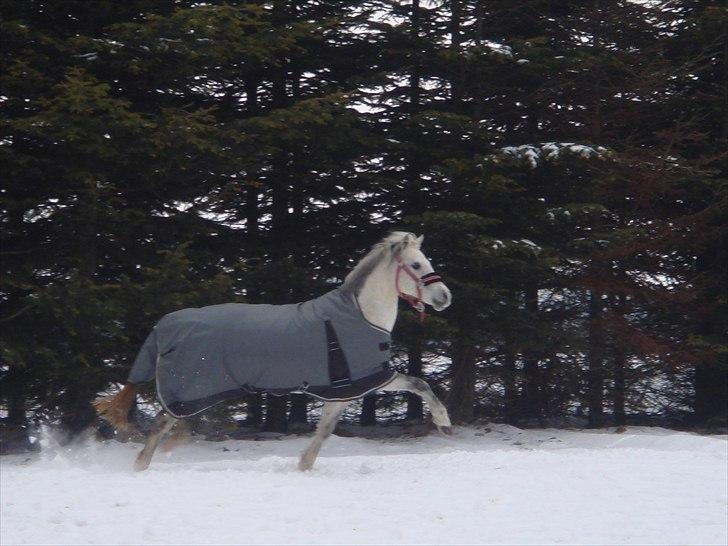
{"x":177,"y":435}
{"x":163,"y":422}
{"x":418,"y":385}
{"x":330,"y":426}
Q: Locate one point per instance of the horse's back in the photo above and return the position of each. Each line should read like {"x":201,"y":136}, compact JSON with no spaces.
{"x":240,"y":321}
{"x":243,"y":330}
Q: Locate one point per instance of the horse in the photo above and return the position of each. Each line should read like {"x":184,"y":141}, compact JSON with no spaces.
{"x":334,"y":348}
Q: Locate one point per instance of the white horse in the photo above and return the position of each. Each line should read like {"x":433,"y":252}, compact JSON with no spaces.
{"x":395,"y":267}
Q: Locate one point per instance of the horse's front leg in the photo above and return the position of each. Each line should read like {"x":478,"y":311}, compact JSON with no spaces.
{"x":330,"y":414}
{"x":420,"y":387}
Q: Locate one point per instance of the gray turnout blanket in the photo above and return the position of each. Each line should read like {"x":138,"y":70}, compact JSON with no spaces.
{"x":324,"y":347}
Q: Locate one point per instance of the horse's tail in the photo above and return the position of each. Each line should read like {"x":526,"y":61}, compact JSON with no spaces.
{"x":114,"y":408}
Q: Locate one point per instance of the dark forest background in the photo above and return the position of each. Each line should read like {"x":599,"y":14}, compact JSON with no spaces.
{"x":566,"y":160}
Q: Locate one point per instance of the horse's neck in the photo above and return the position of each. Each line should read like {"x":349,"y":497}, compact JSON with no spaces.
{"x":378,"y":298}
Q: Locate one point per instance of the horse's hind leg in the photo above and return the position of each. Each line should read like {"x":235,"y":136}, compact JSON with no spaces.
{"x":163,"y":422}
{"x":330,"y":414}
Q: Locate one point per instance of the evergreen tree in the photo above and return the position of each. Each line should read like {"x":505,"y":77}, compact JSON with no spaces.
{"x":566,"y":162}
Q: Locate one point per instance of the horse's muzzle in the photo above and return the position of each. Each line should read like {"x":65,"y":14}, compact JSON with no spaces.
{"x":442,"y":300}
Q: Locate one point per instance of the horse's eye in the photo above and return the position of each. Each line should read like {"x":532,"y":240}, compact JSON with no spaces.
{"x":416,"y":265}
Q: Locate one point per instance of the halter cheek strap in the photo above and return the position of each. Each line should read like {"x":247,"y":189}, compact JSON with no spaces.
{"x":420,"y":282}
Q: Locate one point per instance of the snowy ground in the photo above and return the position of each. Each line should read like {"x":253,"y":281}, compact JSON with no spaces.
{"x":503,"y":486}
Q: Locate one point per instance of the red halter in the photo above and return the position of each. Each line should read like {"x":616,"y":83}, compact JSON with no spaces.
{"x":420,"y":282}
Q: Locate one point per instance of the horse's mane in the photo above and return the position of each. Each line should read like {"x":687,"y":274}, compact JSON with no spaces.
{"x":393,"y":243}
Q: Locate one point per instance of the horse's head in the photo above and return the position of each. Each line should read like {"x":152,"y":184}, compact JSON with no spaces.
{"x":416,"y":278}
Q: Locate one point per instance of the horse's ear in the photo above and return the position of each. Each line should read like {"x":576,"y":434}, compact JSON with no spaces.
{"x":397,"y":248}
{"x":419,"y":240}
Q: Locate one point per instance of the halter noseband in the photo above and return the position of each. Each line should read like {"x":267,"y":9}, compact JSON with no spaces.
{"x":420,"y":282}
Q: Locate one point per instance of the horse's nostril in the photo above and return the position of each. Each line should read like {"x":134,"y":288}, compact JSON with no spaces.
{"x":442,"y":301}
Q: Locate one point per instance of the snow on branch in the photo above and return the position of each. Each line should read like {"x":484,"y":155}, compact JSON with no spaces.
{"x":498,"y":48}
{"x":533,"y":154}
{"x":523,"y":247}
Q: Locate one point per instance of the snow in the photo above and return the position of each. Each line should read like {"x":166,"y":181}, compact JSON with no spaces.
{"x":533,"y":154}
{"x":494,"y":485}
{"x":522,"y":244}
{"x":499,"y":49}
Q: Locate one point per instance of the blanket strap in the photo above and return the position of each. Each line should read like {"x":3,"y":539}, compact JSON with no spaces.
{"x":339,"y":373}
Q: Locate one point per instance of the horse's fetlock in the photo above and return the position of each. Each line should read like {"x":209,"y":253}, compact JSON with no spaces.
{"x":440,"y":417}
{"x":307,"y":460}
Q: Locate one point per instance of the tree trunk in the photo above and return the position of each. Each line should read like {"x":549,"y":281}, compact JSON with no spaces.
{"x":77,"y":413}
{"x":620,"y":362}
{"x":298,"y":185}
{"x":479,"y":22}
{"x":509,"y":378}
{"x":620,"y":416}
{"x":595,"y":375}
{"x":414,"y":368}
{"x":280,"y":17}
{"x":461,"y":401}
{"x":275,"y":413}
{"x":724,"y":127}
{"x":456,"y":85}
{"x":255,"y":409}
{"x":299,"y":409}
{"x":368,"y":416}
{"x":88,"y":217}
{"x":479,"y":99}
{"x":414,"y":204}
{"x":16,"y":437}
{"x":276,"y":406}
{"x":711,"y":377}
{"x":711,"y":390}
{"x":252,"y":191}
{"x":532,"y":380}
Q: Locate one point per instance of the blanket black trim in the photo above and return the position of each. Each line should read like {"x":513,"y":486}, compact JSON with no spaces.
{"x":352,"y":391}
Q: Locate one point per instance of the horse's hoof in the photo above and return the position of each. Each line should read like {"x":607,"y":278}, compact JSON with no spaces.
{"x":305,"y":463}
{"x":445,"y":430}
{"x":140,"y":465}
